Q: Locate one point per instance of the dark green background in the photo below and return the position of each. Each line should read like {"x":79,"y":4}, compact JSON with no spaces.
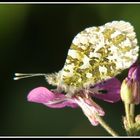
{"x":35,"y":38}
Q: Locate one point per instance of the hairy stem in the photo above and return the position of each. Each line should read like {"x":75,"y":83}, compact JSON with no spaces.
{"x":127,"y":113}
{"x":106,"y":126}
{"x":132,"y":112}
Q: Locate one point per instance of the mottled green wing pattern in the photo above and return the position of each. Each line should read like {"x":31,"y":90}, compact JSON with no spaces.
{"x":98,"y":53}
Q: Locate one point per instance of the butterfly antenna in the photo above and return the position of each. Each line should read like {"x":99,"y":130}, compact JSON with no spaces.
{"x":19,"y":76}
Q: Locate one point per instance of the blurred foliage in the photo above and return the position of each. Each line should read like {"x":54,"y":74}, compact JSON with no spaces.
{"x":36,"y":38}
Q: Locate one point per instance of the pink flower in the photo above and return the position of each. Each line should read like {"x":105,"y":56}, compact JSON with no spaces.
{"x":108,"y":91}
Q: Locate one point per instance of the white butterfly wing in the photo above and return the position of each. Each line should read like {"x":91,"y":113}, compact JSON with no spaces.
{"x":99,"y":53}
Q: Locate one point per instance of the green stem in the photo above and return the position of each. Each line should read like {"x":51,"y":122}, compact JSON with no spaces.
{"x":127,"y":112}
{"x":132,"y":112}
{"x":106,"y":126}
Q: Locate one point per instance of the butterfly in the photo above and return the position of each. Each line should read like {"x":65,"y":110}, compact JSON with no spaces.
{"x":96,"y":54}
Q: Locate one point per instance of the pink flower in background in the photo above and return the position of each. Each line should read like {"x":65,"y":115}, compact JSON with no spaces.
{"x":108,"y":90}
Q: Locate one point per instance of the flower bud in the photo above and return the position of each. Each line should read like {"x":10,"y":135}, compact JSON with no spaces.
{"x":134,"y":73}
{"x":126,"y":91}
{"x":130,"y":88}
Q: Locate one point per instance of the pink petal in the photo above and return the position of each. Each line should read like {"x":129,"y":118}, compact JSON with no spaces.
{"x":54,"y":100}
{"x":94,"y":106}
{"x":90,"y":108}
{"x":108,"y":90}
